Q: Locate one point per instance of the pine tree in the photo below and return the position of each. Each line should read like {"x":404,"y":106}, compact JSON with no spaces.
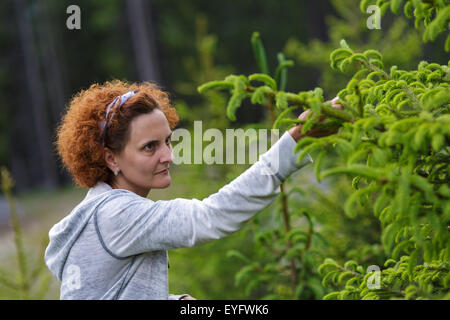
{"x":393,"y":141}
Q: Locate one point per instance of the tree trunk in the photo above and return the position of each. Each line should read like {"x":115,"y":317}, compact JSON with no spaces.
{"x":45,"y":168}
{"x":51,"y":62}
{"x":142,"y":37}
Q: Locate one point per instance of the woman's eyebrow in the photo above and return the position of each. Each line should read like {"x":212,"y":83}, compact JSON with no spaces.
{"x":151,"y":141}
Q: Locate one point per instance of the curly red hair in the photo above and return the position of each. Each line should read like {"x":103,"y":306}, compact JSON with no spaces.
{"x":78,"y":140}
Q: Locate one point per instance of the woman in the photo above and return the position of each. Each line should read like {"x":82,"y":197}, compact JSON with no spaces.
{"x":115,"y":141}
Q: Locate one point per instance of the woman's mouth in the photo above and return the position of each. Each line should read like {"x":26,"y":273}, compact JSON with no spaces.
{"x":165,"y":171}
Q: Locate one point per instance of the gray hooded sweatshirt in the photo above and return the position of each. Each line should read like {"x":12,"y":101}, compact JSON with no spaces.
{"x":113,"y":245}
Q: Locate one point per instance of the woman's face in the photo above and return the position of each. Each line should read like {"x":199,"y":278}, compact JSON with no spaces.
{"x":147,"y":153}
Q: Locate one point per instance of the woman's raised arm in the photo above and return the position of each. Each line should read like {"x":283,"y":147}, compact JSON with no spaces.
{"x":129,"y":224}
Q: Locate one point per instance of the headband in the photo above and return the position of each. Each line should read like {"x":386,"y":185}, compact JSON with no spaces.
{"x":103,"y":125}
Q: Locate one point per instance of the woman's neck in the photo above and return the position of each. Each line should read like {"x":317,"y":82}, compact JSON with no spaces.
{"x":119,"y":182}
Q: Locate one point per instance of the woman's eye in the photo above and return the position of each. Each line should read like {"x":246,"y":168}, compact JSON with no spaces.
{"x":150,"y":146}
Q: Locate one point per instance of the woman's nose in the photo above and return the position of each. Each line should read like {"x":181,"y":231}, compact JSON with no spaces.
{"x":167,"y":155}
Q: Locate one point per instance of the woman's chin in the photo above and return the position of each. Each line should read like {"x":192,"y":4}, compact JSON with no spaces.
{"x":162,"y":184}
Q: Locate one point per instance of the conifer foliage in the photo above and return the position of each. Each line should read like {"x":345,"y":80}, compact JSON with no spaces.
{"x":435,"y":15}
{"x":393,"y":138}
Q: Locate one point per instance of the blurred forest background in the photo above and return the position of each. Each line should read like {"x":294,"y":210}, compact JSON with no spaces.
{"x":180,"y":45}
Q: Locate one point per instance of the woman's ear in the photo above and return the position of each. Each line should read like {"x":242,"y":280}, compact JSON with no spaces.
{"x":111,"y":160}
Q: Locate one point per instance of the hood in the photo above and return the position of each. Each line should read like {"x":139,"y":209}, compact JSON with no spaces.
{"x":66,"y":232}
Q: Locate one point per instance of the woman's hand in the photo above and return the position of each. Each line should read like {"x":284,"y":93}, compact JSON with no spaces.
{"x":296,"y":132}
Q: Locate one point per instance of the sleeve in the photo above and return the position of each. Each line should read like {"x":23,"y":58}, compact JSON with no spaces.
{"x":130,"y":224}
{"x":177,"y":296}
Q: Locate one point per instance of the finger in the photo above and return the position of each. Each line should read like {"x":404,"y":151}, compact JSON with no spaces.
{"x":334,"y":101}
{"x":304,"y":114}
{"x":336,"y":105}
